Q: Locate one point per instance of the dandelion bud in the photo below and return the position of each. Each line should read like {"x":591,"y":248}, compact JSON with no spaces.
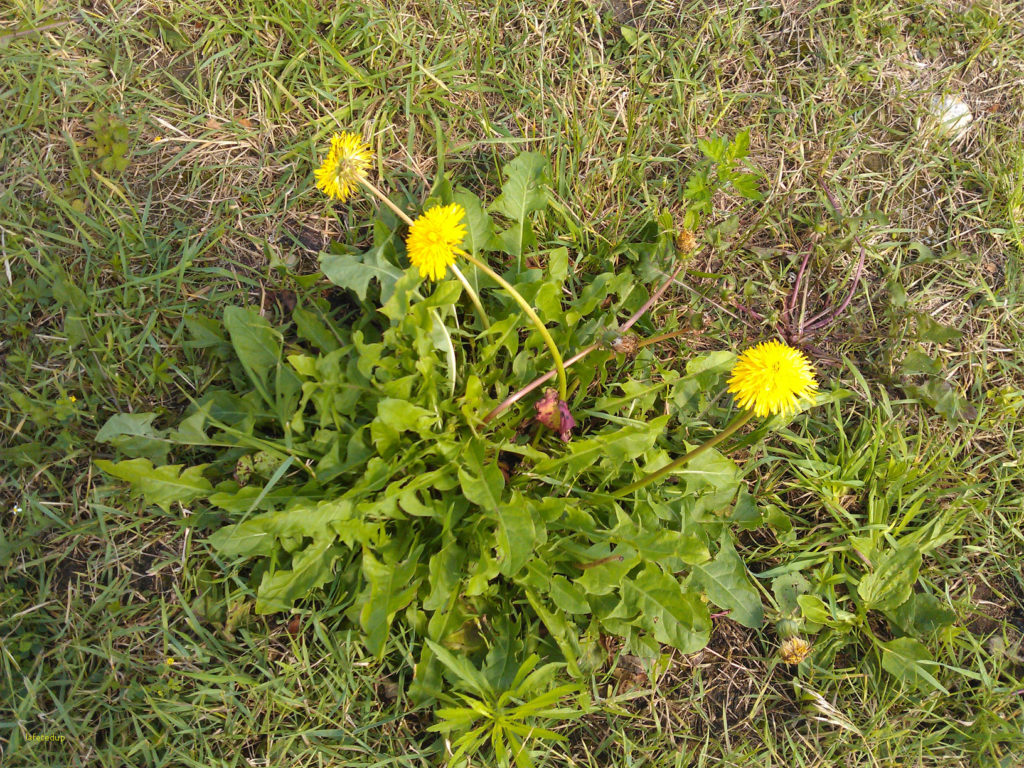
{"x":787,"y":628}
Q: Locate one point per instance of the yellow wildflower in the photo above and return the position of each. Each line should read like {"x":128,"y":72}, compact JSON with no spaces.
{"x":347,"y":162}
{"x":794,"y":650}
{"x":434,"y":239}
{"x":772,"y":378}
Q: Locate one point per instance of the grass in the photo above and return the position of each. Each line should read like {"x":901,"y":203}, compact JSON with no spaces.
{"x":107,"y":278}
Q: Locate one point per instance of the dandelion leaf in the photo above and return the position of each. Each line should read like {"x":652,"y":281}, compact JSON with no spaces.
{"x":160,"y":485}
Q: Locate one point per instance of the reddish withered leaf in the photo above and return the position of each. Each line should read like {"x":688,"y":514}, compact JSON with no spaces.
{"x":554,"y":414}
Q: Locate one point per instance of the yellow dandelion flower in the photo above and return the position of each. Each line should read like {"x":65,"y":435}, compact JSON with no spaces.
{"x":794,"y":650}
{"x":347,"y":162}
{"x":772,"y":378}
{"x":434,"y":239}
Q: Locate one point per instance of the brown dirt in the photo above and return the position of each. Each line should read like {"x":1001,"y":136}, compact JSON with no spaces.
{"x":719,"y":690}
{"x":995,"y":606}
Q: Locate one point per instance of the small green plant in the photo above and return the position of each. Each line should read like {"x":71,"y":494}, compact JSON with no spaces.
{"x":387,"y":461}
{"x":109,"y":143}
{"x":861,"y":579}
{"x":506,"y":709}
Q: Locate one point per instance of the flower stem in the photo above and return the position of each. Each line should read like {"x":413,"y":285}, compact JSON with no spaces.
{"x":512,"y":399}
{"x":673,"y":465}
{"x":472,"y":296}
{"x":534,"y":318}
{"x":384,"y":199}
{"x":462,"y":278}
{"x":662,"y":337}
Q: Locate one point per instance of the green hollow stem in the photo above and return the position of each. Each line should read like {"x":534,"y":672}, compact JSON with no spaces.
{"x":534,"y":318}
{"x":673,"y":465}
{"x":473,"y":297}
{"x":387,"y":201}
{"x":516,"y":396}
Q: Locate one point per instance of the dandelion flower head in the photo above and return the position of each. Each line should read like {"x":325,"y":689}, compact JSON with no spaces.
{"x":794,"y":650}
{"x":434,"y":239}
{"x":772,"y":378}
{"x":347,"y":162}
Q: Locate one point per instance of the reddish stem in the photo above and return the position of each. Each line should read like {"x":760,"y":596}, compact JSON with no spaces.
{"x":517,"y":396}
{"x":791,"y":301}
{"x":826,"y":318}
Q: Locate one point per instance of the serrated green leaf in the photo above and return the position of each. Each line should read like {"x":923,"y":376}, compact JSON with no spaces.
{"x":257,"y":345}
{"x":204,"y":332}
{"x":703,"y":375}
{"x":727,"y":585}
{"x":558,"y":265}
{"x":661,"y":607}
{"x":479,"y":226}
{"x":747,"y":185}
{"x":134,"y":435}
{"x":917,"y":362}
{"x":481,"y":480}
{"x":445,"y":571}
{"x":566,"y":636}
{"x":921,"y":615}
{"x":67,"y":293}
{"x":930,"y":330}
{"x":740,"y":145}
{"x":402,"y":415}
{"x":713,"y":149}
{"x":355,"y":271}
{"x":814,"y":609}
{"x":659,"y":544}
{"x":440,"y":193}
{"x":524,"y":192}
{"x":391,"y":588}
{"x":609,"y":566}
{"x":710,"y":470}
{"x":787,"y":589}
{"x":160,"y":485}
{"x":617,"y":447}
{"x":463,"y":671}
{"x":520,"y":532}
{"x":310,"y":569}
{"x":263,"y":534}
{"x":249,"y":498}
{"x":517,"y":240}
{"x":567,"y":596}
{"x":745,"y":511}
{"x":309,"y":327}
{"x":395,"y":416}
